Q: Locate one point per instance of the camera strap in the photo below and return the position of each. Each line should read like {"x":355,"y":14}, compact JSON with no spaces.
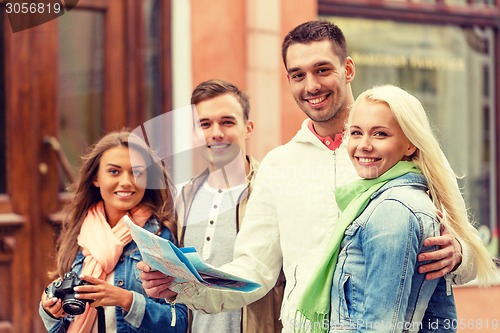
{"x":101,"y":320}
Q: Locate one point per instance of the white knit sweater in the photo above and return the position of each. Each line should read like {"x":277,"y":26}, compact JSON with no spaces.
{"x":289,"y":217}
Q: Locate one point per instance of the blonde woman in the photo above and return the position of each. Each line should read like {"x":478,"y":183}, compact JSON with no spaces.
{"x":386,"y":216}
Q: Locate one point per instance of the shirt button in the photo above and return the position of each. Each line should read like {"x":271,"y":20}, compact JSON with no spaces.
{"x":220,"y":191}
{"x":212,"y":222}
{"x":327,"y":142}
{"x":215,"y":206}
{"x":208,"y":239}
{"x":119,"y":283}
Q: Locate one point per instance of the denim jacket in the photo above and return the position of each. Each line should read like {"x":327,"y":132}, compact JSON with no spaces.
{"x":376,"y":284}
{"x":146,"y":314}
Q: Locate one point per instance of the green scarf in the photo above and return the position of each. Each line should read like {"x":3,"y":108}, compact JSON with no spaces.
{"x":352,"y":199}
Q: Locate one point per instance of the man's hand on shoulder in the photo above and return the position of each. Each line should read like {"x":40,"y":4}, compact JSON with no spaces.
{"x":444,"y":260}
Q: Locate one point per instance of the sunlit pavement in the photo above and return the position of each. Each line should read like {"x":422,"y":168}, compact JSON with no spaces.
{"x":478,"y":309}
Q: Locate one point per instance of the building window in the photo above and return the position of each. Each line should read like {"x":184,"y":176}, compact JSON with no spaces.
{"x":153,"y":58}
{"x":450,"y":69}
{"x":80,"y":81}
{"x":449,"y":2}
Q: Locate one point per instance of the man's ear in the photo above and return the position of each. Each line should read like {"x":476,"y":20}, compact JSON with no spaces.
{"x":350,"y":70}
{"x":249,"y":127}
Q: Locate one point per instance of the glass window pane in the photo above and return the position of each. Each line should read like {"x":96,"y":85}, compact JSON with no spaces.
{"x":473,"y":2}
{"x":450,"y":70}
{"x":81,"y":81}
{"x":456,"y":2}
{"x":152,"y":54}
{"x":155,"y":58}
{"x":424,"y":1}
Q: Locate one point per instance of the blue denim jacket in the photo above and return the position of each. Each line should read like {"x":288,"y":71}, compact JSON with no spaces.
{"x":146,"y":314}
{"x":376,"y":284}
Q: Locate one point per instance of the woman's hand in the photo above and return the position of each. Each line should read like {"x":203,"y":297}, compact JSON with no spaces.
{"x":53,"y":306}
{"x":102,"y":293}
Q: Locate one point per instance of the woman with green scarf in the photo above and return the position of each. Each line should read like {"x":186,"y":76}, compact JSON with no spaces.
{"x":368,"y":280}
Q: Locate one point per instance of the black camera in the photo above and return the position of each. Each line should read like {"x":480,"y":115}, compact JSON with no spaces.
{"x":63,"y":289}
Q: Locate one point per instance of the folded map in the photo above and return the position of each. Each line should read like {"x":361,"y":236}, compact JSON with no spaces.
{"x":189,"y":270}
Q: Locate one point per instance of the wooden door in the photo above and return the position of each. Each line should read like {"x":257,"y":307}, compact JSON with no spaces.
{"x":63,"y":84}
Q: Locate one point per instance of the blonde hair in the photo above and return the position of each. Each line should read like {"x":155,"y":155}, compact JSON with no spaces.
{"x":441,"y":179}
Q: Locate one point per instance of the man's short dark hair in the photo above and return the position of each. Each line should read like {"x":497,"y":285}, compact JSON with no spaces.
{"x":213,"y":88}
{"x":315,"y":31}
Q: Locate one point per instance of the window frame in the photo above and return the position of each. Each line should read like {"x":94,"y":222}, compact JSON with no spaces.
{"x":437,"y":13}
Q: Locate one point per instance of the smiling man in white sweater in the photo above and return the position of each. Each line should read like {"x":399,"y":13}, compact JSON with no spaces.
{"x":292,"y":210}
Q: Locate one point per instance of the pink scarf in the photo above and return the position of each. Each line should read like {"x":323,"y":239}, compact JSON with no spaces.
{"x":102,"y":247}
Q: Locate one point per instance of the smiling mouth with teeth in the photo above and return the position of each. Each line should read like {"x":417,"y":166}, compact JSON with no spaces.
{"x":219,"y":146}
{"x":367,"y":160}
{"x":124,"y":194}
{"x":317,"y":100}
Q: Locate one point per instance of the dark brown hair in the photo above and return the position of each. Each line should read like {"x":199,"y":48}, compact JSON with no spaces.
{"x":315,"y":31}
{"x":213,"y":88}
{"x":158,"y":194}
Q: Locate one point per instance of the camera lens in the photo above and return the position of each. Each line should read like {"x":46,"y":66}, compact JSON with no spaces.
{"x":73,"y":306}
